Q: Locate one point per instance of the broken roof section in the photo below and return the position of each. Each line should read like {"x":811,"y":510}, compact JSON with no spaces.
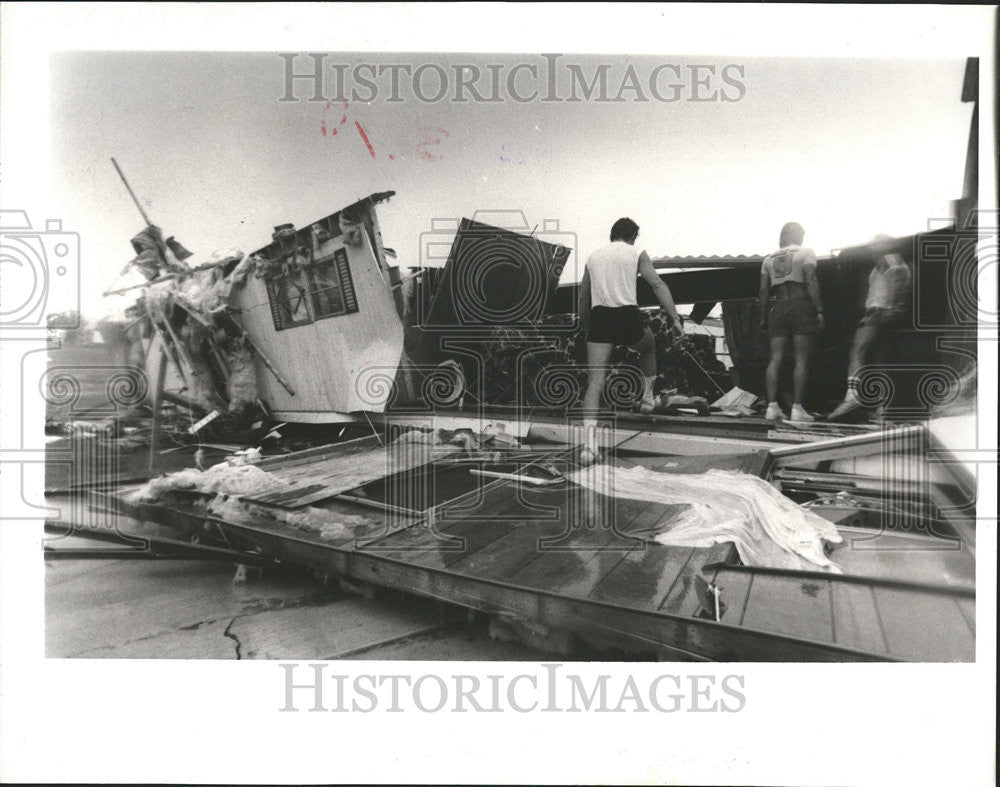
{"x":495,"y":277}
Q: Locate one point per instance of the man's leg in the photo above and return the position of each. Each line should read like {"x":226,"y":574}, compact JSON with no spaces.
{"x":778,"y":344}
{"x":863,"y":338}
{"x":803,"y":343}
{"x":646,"y":348}
{"x":598,"y":355}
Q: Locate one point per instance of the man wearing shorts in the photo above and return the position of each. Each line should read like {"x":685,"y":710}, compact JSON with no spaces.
{"x":885,"y":309}
{"x":790,"y":306}
{"x":609,"y":312}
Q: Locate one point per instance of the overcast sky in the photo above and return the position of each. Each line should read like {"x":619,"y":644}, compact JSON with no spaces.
{"x":849,"y":148}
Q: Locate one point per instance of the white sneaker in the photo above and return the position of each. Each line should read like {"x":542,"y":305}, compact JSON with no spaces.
{"x":799,"y":414}
{"x":774,"y":412}
{"x":849,"y":405}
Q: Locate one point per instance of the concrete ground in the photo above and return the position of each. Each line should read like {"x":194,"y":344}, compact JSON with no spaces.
{"x":161,"y":609}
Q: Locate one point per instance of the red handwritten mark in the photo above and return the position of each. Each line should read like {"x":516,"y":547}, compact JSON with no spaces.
{"x":343,"y":120}
{"x":364,"y":136}
{"x":430,"y":138}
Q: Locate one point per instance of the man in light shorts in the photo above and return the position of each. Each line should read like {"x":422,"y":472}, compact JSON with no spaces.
{"x":790,"y":306}
{"x":609,"y":312}
{"x":885,"y":310}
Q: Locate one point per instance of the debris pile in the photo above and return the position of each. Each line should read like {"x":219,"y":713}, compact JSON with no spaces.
{"x":545,"y":365}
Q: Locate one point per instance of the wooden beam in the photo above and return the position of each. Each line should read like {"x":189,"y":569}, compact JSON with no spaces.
{"x":154,"y":434}
{"x":883,"y":441}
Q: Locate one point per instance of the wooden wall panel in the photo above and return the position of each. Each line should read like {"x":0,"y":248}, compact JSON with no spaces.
{"x":336,"y":364}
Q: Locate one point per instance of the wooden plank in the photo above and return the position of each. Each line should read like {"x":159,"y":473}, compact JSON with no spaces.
{"x":340,"y":473}
{"x":284,"y":498}
{"x":627,"y":628}
{"x":500,"y":557}
{"x":644,"y":576}
{"x":505,"y":555}
{"x":682,"y":598}
{"x":653,"y":519}
{"x":677,"y":444}
{"x":856,"y":621}
{"x":903,"y":438}
{"x":574,"y":565}
{"x":454,"y":539}
{"x":905,"y":557}
{"x":922,"y":626}
{"x":758,"y":463}
{"x":789,"y":605}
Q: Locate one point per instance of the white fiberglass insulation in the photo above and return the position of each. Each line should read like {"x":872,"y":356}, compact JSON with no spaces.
{"x":221,"y":478}
{"x":768,"y":529}
{"x":228,"y":482}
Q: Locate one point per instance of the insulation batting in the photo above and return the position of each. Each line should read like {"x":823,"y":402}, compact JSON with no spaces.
{"x":242,"y":385}
{"x":221,"y":478}
{"x":327,"y":524}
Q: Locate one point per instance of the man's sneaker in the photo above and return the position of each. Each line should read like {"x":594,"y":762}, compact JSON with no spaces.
{"x":849,"y":405}
{"x":799,"y":414}
{"x":774,"y":412}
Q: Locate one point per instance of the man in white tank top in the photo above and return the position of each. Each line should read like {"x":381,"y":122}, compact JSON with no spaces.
{"x":609,"y":312}
{"x":886,"y":308}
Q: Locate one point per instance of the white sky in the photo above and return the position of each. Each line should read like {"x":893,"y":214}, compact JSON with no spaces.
{"x":848,"y":148}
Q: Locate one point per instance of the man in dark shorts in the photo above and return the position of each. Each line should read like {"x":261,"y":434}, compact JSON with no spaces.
{"x":885,"y":310}
{"x":790,"y":305}
{"x":609,"y":312}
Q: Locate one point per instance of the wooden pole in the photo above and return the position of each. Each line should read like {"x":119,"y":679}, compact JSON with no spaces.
{"x":270,"y":366}
{"x":132,"y":193}
{"x":154,"y":435}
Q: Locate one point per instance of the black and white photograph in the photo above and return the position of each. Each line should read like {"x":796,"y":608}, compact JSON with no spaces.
{"x":470,"y":371}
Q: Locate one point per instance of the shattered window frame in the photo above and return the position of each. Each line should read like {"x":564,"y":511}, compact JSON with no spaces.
{"x":285,"y":304}
{"x":320,"y":288}
{"x":330,"y":277}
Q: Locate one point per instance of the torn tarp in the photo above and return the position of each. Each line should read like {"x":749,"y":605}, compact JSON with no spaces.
{"x":154,"y":255}
{"x":768,"y":529}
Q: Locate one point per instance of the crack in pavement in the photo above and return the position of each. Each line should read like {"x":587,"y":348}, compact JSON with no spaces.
{"x":229,"y":635}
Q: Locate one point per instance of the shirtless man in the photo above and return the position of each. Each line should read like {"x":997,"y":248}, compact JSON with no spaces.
{"x":885,"y":309}
{"x":609,"y":312}
{"x":788,"y":276}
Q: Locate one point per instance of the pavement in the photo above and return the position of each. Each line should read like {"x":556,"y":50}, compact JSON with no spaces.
{"x":192,"y":609}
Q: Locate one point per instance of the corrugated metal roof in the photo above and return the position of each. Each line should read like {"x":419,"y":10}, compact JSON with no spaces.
{"x":720,"y":257}
{"x":708,"y":261}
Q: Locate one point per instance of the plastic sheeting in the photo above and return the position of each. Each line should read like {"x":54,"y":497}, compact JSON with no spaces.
{"x":768,"y":529}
